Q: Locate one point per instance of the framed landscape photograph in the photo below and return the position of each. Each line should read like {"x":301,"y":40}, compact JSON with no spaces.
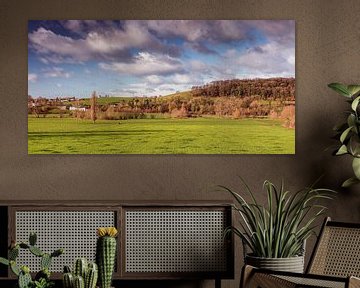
{"x":161,"y":87}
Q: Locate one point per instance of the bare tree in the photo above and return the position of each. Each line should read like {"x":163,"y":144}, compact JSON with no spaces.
{"x":93,"y":107}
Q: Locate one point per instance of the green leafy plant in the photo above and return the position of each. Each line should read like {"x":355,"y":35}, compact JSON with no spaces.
{"x":42,"y":278}
{"x":348,"y":132}
{"x":279,"y":229}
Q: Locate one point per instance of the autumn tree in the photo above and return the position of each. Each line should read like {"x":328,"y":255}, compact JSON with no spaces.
{"x":93,"y":107}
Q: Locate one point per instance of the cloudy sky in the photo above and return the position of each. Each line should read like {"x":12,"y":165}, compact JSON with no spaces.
{"x":156,"y":57}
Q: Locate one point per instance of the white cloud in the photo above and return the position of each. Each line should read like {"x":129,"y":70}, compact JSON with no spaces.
{"x":56,"y":72}
{"x":45,"y":42}
{"x":146,"y":64}
{"x":114,"y":40}
{"x":154,"y":79}
{"x":150,"y":52}
{"x":195,"y":30}
{"x":32,"y":77}
{"x":181,"y":79}
{"x":197,"y":65}
{"x":74,"y":25}
{"x":106,"y":44}
{"x":269,"y":60}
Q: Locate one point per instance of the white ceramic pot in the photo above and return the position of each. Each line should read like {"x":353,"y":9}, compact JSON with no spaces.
{"x":291,"y":264}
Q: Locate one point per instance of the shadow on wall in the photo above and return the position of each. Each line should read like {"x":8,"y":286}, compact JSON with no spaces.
{"x":333,"y":170}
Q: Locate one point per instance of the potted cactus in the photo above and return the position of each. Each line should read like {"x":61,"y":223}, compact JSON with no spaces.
{"x":85,"y":275}
{"x":42,"y":278}
{"x":106,"y":254}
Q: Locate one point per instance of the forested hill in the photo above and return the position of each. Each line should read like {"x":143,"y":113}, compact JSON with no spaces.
{"x":272,"y":88}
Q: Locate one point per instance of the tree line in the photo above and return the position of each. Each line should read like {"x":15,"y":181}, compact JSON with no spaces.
{"x":272,"y":88}
{"x":273,"y":98}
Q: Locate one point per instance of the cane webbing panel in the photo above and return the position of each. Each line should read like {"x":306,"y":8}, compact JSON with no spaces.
{"x":75,"y":231}
{"x":313,"y":282}
{"x":338,"y":252}
{"x":260,"y":280}
{"x":175,"y":241}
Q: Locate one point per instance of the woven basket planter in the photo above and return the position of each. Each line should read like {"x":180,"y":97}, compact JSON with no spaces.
{"x":291,"y":264}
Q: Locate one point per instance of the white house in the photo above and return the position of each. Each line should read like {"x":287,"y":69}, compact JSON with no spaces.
{"x":72,"y":108}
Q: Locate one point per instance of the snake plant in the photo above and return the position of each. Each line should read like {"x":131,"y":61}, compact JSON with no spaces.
{"x":279,"y":228}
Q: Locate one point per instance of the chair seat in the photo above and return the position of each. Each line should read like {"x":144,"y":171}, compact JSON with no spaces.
{"x":335,"y":262}
{"x":268,"y":279}
{"x":314,"y":282}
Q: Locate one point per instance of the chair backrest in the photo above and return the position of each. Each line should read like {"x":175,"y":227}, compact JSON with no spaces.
{"x":337,"y":251}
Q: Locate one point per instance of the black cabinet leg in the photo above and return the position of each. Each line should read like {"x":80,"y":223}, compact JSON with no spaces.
{"x":217,"y":283}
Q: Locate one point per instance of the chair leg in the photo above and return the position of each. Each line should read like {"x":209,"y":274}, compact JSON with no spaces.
{"x":246,"y":274}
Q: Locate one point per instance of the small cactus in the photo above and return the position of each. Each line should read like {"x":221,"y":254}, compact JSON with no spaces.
{"x":89,"y":272}
{"x":57,"y":252}
{"x":68,"y":280}
{"x":24,"y":246}
{"x":44,"y":273}
{"x":79,"y":282}
{"x":106,"y":254}
{"x":25,"y":269}
{"x":91,"y":276}
{"x":36,"y":251}
{"x":13,"y":253}
{"x":14,"y":268}
{"x":32,"y":238}
{"x":45,"y":261}
{"x":24,"y":278}
{"x":80,"y":268}
{"x":67,"y":269}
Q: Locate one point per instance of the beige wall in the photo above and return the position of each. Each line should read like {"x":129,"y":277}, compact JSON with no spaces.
{"x":327,"y":50}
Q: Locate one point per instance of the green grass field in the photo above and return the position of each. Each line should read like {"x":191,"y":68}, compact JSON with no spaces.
{"x":159,"y":136}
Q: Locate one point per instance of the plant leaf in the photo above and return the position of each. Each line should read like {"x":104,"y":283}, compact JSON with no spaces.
{"x":353,"y":90}
{"x":345,"y":134}
{"x":349,"y":182}
{"x":279,"y":228}
{"x":342,"y":150}
{"x":351,"y":120}
{"x":355,"y":103}
{"x":4,"y":261}
{"x":356,"y":167}
{"x":354,"y":145}
{"x":340,"y":88}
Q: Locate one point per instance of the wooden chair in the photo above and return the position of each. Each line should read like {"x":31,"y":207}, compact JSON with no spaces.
{"x":335,"y":262}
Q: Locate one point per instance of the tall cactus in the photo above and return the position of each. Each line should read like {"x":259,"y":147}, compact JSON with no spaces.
{"x":106,"y":254}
